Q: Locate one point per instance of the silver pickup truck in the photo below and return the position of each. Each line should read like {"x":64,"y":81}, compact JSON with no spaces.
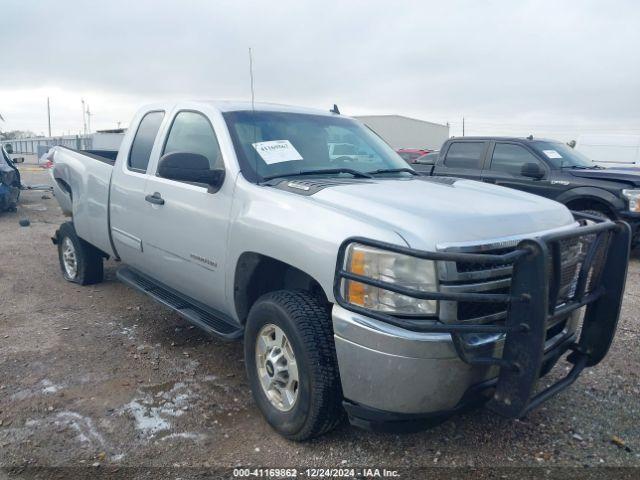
{"x":357,"y":285}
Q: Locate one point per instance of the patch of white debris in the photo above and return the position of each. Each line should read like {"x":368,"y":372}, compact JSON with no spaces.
{"x":49,"y":387}
{"x":83,"y":426}
{"x":129,"y":332}
{"x":152,"y":414}
{"x":147,"y":418}
{"x":196,"y":437}
{"x":46,"y":387}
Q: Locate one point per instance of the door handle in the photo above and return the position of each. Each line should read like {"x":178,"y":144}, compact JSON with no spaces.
{"x":156,"y":199}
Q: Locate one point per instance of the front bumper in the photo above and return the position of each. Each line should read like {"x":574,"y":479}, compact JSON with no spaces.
{"x":397,"y":377}
{"x":388,"y":368}
{"x":408,"y":369}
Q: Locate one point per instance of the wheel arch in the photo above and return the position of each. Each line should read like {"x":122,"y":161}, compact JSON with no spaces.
{"x":589,"y":198}
{"x":257,"y":274}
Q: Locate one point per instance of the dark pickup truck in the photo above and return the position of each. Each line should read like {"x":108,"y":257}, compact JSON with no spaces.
{"x":544,"y":167}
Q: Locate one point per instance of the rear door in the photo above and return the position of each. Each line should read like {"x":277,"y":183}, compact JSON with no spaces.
{"x":186,"y":235}
{"x":126,"y":199}
{"x":504,"y":168}
{"x":463,"y":158}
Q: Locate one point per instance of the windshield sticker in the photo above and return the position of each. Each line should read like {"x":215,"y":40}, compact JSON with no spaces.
{"x":552,"y":154}
{"x":277,"y":151}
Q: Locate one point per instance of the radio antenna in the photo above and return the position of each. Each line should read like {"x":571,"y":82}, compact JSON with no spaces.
{"x":253,"y":111}
{"x":253,"y":95}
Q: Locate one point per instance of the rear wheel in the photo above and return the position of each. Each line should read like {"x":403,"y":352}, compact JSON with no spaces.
{"x":80,"y":261}
{"x":291,"y":364}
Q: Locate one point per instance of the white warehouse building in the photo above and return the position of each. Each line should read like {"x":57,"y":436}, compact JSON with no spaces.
{"x":405,"y":132}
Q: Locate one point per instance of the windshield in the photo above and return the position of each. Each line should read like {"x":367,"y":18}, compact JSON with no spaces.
{"x":272,"y":144}
{"x":562,"y":156}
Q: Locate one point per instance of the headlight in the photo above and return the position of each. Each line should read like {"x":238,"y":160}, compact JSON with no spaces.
{"x":395,"y":268}
{"x":634,"y":199}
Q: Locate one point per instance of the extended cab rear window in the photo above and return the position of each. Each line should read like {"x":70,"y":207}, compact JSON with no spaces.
{"x":465,"y":155}
{"x":144,"y":140}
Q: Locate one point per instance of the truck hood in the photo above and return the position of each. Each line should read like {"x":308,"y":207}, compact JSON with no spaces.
{"x":429,"y":212}
{"x":630,"y":176}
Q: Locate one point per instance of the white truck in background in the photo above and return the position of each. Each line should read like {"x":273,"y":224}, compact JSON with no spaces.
{"x":611,"y":150}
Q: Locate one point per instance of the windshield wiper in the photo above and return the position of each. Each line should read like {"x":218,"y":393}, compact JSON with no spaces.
{"x":324,"y":171}
{"x":393,"y":170}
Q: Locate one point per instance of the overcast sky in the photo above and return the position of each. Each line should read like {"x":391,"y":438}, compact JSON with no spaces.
{"x":551,"y":68}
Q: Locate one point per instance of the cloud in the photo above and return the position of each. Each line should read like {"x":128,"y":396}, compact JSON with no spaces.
{"x":508,"y":67}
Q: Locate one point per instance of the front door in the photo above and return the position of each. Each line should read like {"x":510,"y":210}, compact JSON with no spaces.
{"x":505,"y":169}
{"x":187,"y":224}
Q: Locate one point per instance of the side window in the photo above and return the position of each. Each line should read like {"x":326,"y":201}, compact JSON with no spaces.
{"x":191,"y":132}
{"x":144,"y":140}
{"x":509,"y":158}
{"x":465,"y":155}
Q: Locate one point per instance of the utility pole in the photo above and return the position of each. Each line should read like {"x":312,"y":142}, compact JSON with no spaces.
{"x":88,"y":119}
{"x":84,"y":117}
{"x":463,"y":126}
{"x":49,"y":115}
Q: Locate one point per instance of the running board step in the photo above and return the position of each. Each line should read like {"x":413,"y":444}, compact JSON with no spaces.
{"x":191,"y":310}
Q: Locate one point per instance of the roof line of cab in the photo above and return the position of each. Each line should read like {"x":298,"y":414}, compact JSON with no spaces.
{"x":239,"y":105}
{"x":518,"y":139}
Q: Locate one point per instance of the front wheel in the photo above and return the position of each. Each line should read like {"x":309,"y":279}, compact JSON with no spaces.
{"x":597,"y":213}
{"x":291,"y":364}
{"x":80,"y":261}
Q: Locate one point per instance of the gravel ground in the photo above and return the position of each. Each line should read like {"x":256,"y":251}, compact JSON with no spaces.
{"x":103,"y":377}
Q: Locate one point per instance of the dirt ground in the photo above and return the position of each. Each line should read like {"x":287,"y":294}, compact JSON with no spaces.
{"x":102,"y":376}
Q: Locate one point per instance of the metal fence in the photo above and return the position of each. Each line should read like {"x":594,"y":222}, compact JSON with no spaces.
{"x":37,"y":146}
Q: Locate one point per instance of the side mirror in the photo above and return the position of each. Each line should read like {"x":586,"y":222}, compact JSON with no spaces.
{"x":532,"y":170}
{"x":8,"y":148}
{"x":189,"y":167}
{"x":18,"y":160}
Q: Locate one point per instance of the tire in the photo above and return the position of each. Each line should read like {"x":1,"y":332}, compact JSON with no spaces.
{"x":597,"y":213}
{"x":306,"y":325}
{"x":88,"y":259}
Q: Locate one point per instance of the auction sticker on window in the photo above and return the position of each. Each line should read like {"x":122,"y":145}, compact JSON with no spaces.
{"x":552,"y":154}
{"x":277,"y":151}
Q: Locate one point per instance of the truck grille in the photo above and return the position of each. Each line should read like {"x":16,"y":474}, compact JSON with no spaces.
{"x":568,"y":255}
{"x":479,"y":267}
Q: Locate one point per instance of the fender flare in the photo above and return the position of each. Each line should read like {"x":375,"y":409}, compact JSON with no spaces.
{"x":592,"y":193}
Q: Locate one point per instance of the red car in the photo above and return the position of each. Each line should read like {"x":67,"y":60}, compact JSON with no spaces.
{"x":411,"y":155}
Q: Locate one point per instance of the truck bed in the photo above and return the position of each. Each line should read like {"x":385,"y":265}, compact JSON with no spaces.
{"x":106,"y":156}
{"x":81,"y":184}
